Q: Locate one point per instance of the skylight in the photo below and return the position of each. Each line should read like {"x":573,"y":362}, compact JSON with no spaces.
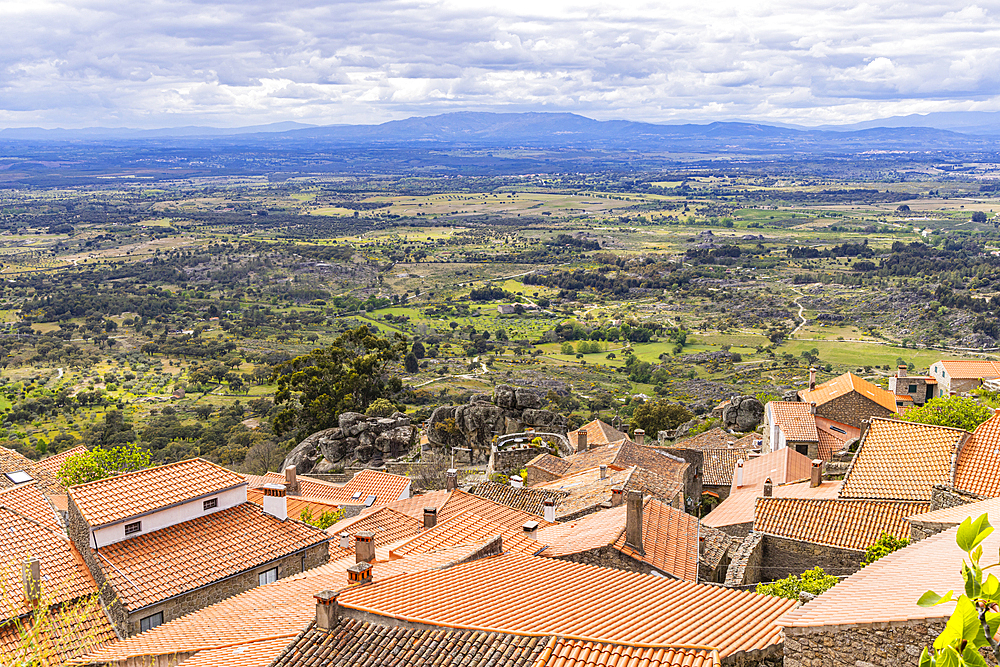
{"x":18,"y":477}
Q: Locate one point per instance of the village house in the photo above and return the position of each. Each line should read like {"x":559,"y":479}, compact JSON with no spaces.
{"x":797,"y":425}
{"x":955,"y":376}
{"x":848,"y":399}
{"x":917,"y":388}
{"x":366,"y":489}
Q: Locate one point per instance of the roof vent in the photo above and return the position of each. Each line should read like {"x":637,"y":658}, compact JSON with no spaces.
{"x":359,"y":573}
{"x":604,"y":471}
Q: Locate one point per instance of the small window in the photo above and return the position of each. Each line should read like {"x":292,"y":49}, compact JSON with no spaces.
{"x":268,"y":577}
{"x":18,"y":477}
{"x":133,"y":528}
{"x":151,"y":622}
{"x":911,"y":389}
{"x":210,"y":504}
{"x":838,"y":430}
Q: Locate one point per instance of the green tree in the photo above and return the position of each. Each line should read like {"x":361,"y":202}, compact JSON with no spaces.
{"x":346,"y":376}
{"x":955,"y":411}
{"x":418,"y":350}
{"x":884,"y":546}
{"x":380,"y":407}
{"x":113,"y":431}
{"x":974,"y":623}
{"x":411,"y":363}
{"x":567,"y":348}
{"x":656,"y":416}
{"x":324,"y":520}
{"x":97,"y":464}
{"x":814,"y":581}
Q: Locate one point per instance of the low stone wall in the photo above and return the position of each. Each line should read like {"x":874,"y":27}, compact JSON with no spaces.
{"x":539,"y":476}
{"x":784,"y":557}
{"x":739,"y":530}
{"x":946,"y":496}
{"x":744,"y":568}
{"x":871,"y":645}
{"x":609,"y":557}
{"x":511,"y":460}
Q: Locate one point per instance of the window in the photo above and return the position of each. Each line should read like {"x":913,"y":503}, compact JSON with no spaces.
{"x":210,"y":504}
{"x":18,"y":477}
{"x":133,"y":528}
{"x":268,"y":577}
{"x":151,"y":622}
{"x":911,"y":389}
{"x":838,"y":430}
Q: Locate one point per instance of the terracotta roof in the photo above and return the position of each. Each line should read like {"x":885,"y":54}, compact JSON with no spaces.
{"x":115,"y":499}
{"x":887,"y":590}
{"x":11,"y":462}
{"x":296,"y":504}
{"x":833,"y":436}
{"x":572,"y":599}
{"x":715,"y":544}
{"x":598,"y":433}
{"x":978,"y":468}
{"x":52,"y":463}
{"x":69,"y":630}
{"x":739,"y":507}
{"x":387,"y":524}
{"x":414,"y":505}
{"x":971,"y":369}
{"x":252,"y":654}
{"x":719,"y":464}
{"x":273,"y":611}
{"x":550,"y":464}
{"x":847,"y":524}
{"x":845,"y":384}
{"x":651,"y":484}
{"x":585,"y":489}
{"x":525,"y":499}
{"x":653,"y":459}
{"x":783,"y":466}
{"x":795,"y":419}
{"x":576,"y":653}
{"x":899,"y":460}
{"x":386,"y":487}
{"x":149,"y":568}
{"x":716,"y":438}
{"x":460,"y":502}
{"x":601,"y":455}
{"x":466,"y":528}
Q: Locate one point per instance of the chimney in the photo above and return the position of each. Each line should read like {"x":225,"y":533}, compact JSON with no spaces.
{"x":327,"y":610}
{"x":901,"y":371}
{"x":451,"y":480}
{"x":345,"y":540}
{"x":430,"y":517}
{"x":739,"y":473}
{"x":359,"y":573}
{"x":364,"y":547}
{"x":617,"y":496}
{"x":275,"y":502}
{"x":516,"y":482}
{"x":633,"y":521}
{"x":291,"y":481}
{"x":581,"y":440}
{"x":768,"y":488}
{"x":812,"y":379}
{"x":812,"y":408}
{"x":31,"y":580}
{"x":531,"y":530}
{"x":604,"y":471}
{"x":550,"y":510}
{"x":640,"y":436}
{"x":816,"y":477}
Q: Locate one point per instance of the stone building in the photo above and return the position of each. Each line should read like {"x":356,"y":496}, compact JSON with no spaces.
{"x":848,"y":399}
{"x":169,"y":540}
{"x":797,"y":425}
{"x":918,"y":388}
{"x":954,"y":376}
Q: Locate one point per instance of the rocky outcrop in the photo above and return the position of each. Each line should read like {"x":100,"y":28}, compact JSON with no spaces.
{"x":356,"y":439}
{"x":743,"y":414}
{"x":473,"y":425}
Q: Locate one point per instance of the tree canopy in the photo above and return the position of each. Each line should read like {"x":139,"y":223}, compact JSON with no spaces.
{"x":656,"y":416}
{"x":346,"y":376}
{"x":955,"y":411}
{"x":96,"y":464}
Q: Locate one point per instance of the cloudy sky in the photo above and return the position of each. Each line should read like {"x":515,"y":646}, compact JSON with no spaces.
{"x":158,"y":63}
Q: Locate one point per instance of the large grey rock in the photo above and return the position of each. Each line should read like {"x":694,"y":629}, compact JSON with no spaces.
{"x":527,"y":399}
{"x":743,"y":414}
{"x":505,"y":396}
{"x":347,"y":420}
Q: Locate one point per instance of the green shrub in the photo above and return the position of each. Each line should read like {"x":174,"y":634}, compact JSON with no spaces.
{"x":884,"y":546}
{"x":813,"y":581}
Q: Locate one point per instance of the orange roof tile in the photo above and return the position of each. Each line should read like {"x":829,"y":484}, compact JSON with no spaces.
{"x":654,"y":459}
{"x":52,"y":463}
{"x":599,"y":455}
{"x":386,"y":487}
{"x":585,"y":489}
{"x":577,"y":653}
{"x":414,"y":505}
{"x":978,"y":468}
{"x":550,"y":464}
{"x":600,"y":529}
{"x":460,"y":502}
{"x":296,"y":505}
{"x":716,"y":438}
{"x":580,"y":600}
{"x":740,"y":506}
{"x":795,"y":419}
{"x":11,"y":462}
{"x":783,"y":466}
{"x":952,"y":516}
{"x":115,"y":499}
{"x":67,"y":631}
{"x":598,"y":433}
{"x":899,"y":460}
{"x":526,"y":499}
{"x":251,"y":654}
{"x":719,"y":464}
{"x":845,"y":384}
{"x":847,"y":524}
{"x":466,"y":528}
{"x":651,"y":484}
{"x":387,"y":524}
{"x":970,"y":369}
{"x":149,"y":568}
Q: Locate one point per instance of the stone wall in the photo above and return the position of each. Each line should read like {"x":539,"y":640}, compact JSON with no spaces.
{"x":722,"y":491}
{"x":608,"y":556}
{"x":739,"y":530}
{"x":744,"y":568}
{"x":851,"y":408}
{"x":695,"y":473}
{"x":227,"y":588}
{"x":946,"y":496}
{"x":79,"y":533}
{"x":512,"y":460}
{"x":784,"y":557}
{"x":539,"y":476}
{"x":871,"y":645}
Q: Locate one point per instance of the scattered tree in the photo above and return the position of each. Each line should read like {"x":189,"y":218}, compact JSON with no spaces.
{"x":97,"y":464}
{"x":955,"y":411}
{"x":656,"y":416}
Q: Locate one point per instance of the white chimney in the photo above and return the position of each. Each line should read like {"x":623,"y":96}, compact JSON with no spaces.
{"x":531,"y":530}
{"x":739,"y":473}
{"x":345,"y":540}
{"x":516,"y":482}
{"x":550,"y":510}
{"x":275,"y":502}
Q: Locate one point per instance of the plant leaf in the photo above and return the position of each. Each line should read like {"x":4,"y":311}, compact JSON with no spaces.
{"x":930,"y":598}
{"x":973,"y":531}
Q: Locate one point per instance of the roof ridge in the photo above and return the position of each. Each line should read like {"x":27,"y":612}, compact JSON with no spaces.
{"x":146,"y":470}
{"x":903,"y":421}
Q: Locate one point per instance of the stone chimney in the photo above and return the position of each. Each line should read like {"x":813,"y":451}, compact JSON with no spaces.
{"x":327,"y":610}
{"x":550,"y":510}
{"x":430,"y":517}
{"x":812,"y":408}
{"x":768,"y":488}
{"x":640,"y":436}
{"x":901,"y":371}
{"x":359,"y":573}
{"x":275,"y":502}
{"x":581,"y":440}
{"x":531,"y":530}
{"x":812,"y":379}
{"x":633,"y":521}
{"x":31,"y":580}
{"x":451,"y":480}
{"x":604,"y":471}
{"x":739,"y":473}
{"x":816,"y":476}
{"x":617,"y":496}
{"x":345,"y":540}
{"x":364,"y":547}
{"x":291,"y":481}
